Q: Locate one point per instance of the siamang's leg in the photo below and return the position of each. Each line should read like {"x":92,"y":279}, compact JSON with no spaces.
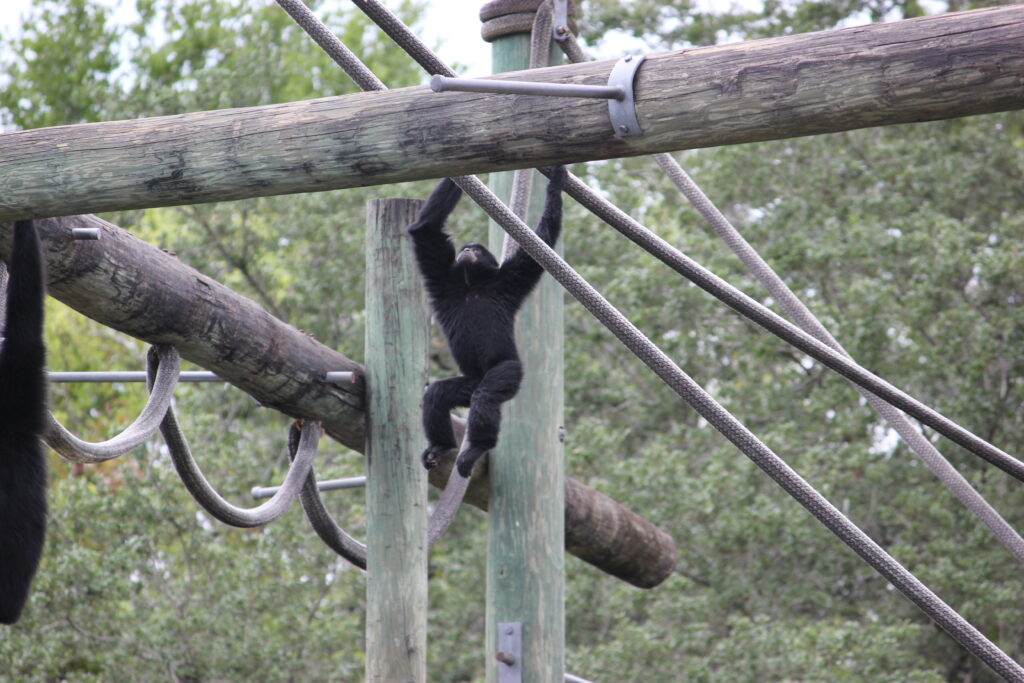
{"x":498,"y":385}
{"x":438,"y":401}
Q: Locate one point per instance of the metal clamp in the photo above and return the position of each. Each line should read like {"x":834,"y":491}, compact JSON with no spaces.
{"x":622,"y":112}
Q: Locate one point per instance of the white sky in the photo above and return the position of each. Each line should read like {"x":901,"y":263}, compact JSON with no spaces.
{"x":453,"y":25}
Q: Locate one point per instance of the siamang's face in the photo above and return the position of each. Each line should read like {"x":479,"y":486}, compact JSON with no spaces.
{"x":475,"y":260}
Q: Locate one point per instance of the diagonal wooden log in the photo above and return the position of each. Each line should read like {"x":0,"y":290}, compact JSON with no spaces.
{"x":131,"y":286}
{"x":921,"y":69}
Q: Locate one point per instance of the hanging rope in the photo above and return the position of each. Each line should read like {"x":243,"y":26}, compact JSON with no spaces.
{"x":319,"y":518}
{"x":70,"y":447}
{"x":803,"y":317}
{"x":522,"y":179}
{"x":212,"y":501}
{"x":715,"y":414}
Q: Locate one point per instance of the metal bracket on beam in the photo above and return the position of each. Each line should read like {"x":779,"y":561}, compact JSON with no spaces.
{"x":510,"y":652}
{"x":622,"y":111}
{"x":560,"y":20}
{"x":618,"y":92}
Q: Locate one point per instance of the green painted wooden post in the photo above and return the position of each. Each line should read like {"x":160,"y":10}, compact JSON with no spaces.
{"x":396,"y":492}
{"x":526,"y":555}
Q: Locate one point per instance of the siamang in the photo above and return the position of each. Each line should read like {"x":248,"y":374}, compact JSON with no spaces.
{"x":22,"y":419}
{"x":475,"y":301}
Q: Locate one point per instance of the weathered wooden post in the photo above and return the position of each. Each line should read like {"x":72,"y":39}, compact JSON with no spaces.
{"x":396,"y":492}
{"x":526,"y":557}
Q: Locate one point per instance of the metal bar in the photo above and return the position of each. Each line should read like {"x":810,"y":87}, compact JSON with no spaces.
{"x":259,"y":492}
{"x":186,"y":376}
{"x":85,"y":233}
{"x":128,"y":376}
{"x":599,"y":92}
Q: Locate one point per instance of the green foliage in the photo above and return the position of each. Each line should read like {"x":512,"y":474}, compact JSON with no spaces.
{"x":908,"y":243}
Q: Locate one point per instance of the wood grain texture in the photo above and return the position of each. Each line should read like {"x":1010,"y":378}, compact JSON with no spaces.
{"x":397,"y":339}
{"x":915,"y":70}
{"x":135,"y":288}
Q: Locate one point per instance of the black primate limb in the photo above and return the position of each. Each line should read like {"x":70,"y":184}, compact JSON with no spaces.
{"x":475,"y":301}
{"x":22,"y":411}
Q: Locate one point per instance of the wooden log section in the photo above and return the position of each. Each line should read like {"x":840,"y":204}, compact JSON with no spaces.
{"x":124,"y":283}
{"x":915,"y":70}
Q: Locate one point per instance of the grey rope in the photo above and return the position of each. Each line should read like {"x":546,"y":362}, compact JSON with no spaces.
{"x":961,"y":630}
{"x":782,"y":328}
{"x":320,"y":519}
{"x":335,"y":49}
{"x":522,"y":179}
{"x":74,"y":449}
{"x":798,"y":311}
{"x":803,"y":317}
{"x":776,"y":468}
{"x":207,"y":497}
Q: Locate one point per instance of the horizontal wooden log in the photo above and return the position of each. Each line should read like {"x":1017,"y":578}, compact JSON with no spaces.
{"x":131,"y":286}
{"x":915,"y":70}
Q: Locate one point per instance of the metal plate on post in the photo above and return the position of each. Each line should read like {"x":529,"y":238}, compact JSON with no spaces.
{"x":510,"y":652}
{"x":623,"y":112}
{"x":560,"y":20}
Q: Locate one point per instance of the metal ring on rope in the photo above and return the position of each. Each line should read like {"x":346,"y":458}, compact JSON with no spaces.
{"x":70,"y":447}
{"x":212,"y":501}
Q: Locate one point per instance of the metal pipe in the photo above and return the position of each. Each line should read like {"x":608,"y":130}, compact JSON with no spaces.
{"x":440,"y":83}
{"x":326,"y":485}
{"x":128,"y":376}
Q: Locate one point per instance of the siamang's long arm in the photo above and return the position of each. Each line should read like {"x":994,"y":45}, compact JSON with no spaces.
{"x":22,"y":383}
{"x":433,"y":247}
{"x":520,"y":273}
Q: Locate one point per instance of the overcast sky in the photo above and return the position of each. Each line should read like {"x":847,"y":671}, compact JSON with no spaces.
{"x":452,"y":25}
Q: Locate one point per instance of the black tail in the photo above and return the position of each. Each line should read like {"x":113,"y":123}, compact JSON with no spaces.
{"x":22,"y":415}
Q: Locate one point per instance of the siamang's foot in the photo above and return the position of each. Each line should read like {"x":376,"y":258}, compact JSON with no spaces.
{"x":429,"y":456}
{"x":467,"y":458}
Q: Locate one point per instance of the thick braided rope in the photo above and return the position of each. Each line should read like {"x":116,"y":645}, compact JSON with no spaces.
{"x":798,"y":311}
{"x":714,"y":285}
{"x":728,"y":425}
{"x":319,"y":518}
{"x":329,"y":43}
{"x":741,"y":437}
{"x":785,"y":330}
{"x":522,"y":179}
{"x":205,"y":494}
{"x":70,"y":447}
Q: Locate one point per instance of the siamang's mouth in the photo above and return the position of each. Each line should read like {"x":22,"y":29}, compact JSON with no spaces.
{"x":466,"y":256}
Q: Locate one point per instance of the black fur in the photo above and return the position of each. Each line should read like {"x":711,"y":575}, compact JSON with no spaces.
{"x":22,"y":411}
{"x":476,"y":301}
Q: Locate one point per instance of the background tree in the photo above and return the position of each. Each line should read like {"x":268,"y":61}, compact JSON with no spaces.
{"x":906,"y":241}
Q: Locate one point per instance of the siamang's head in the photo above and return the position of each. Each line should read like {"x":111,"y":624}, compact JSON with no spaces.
{"x":476,"y":262}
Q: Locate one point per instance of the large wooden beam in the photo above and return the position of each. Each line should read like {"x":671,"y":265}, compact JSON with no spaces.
{"x":916,"y":70}
{"x":135,"y":288}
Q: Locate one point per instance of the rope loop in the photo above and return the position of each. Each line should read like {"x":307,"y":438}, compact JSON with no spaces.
{"x":212,"y":501}
{"x":74,"y":449}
